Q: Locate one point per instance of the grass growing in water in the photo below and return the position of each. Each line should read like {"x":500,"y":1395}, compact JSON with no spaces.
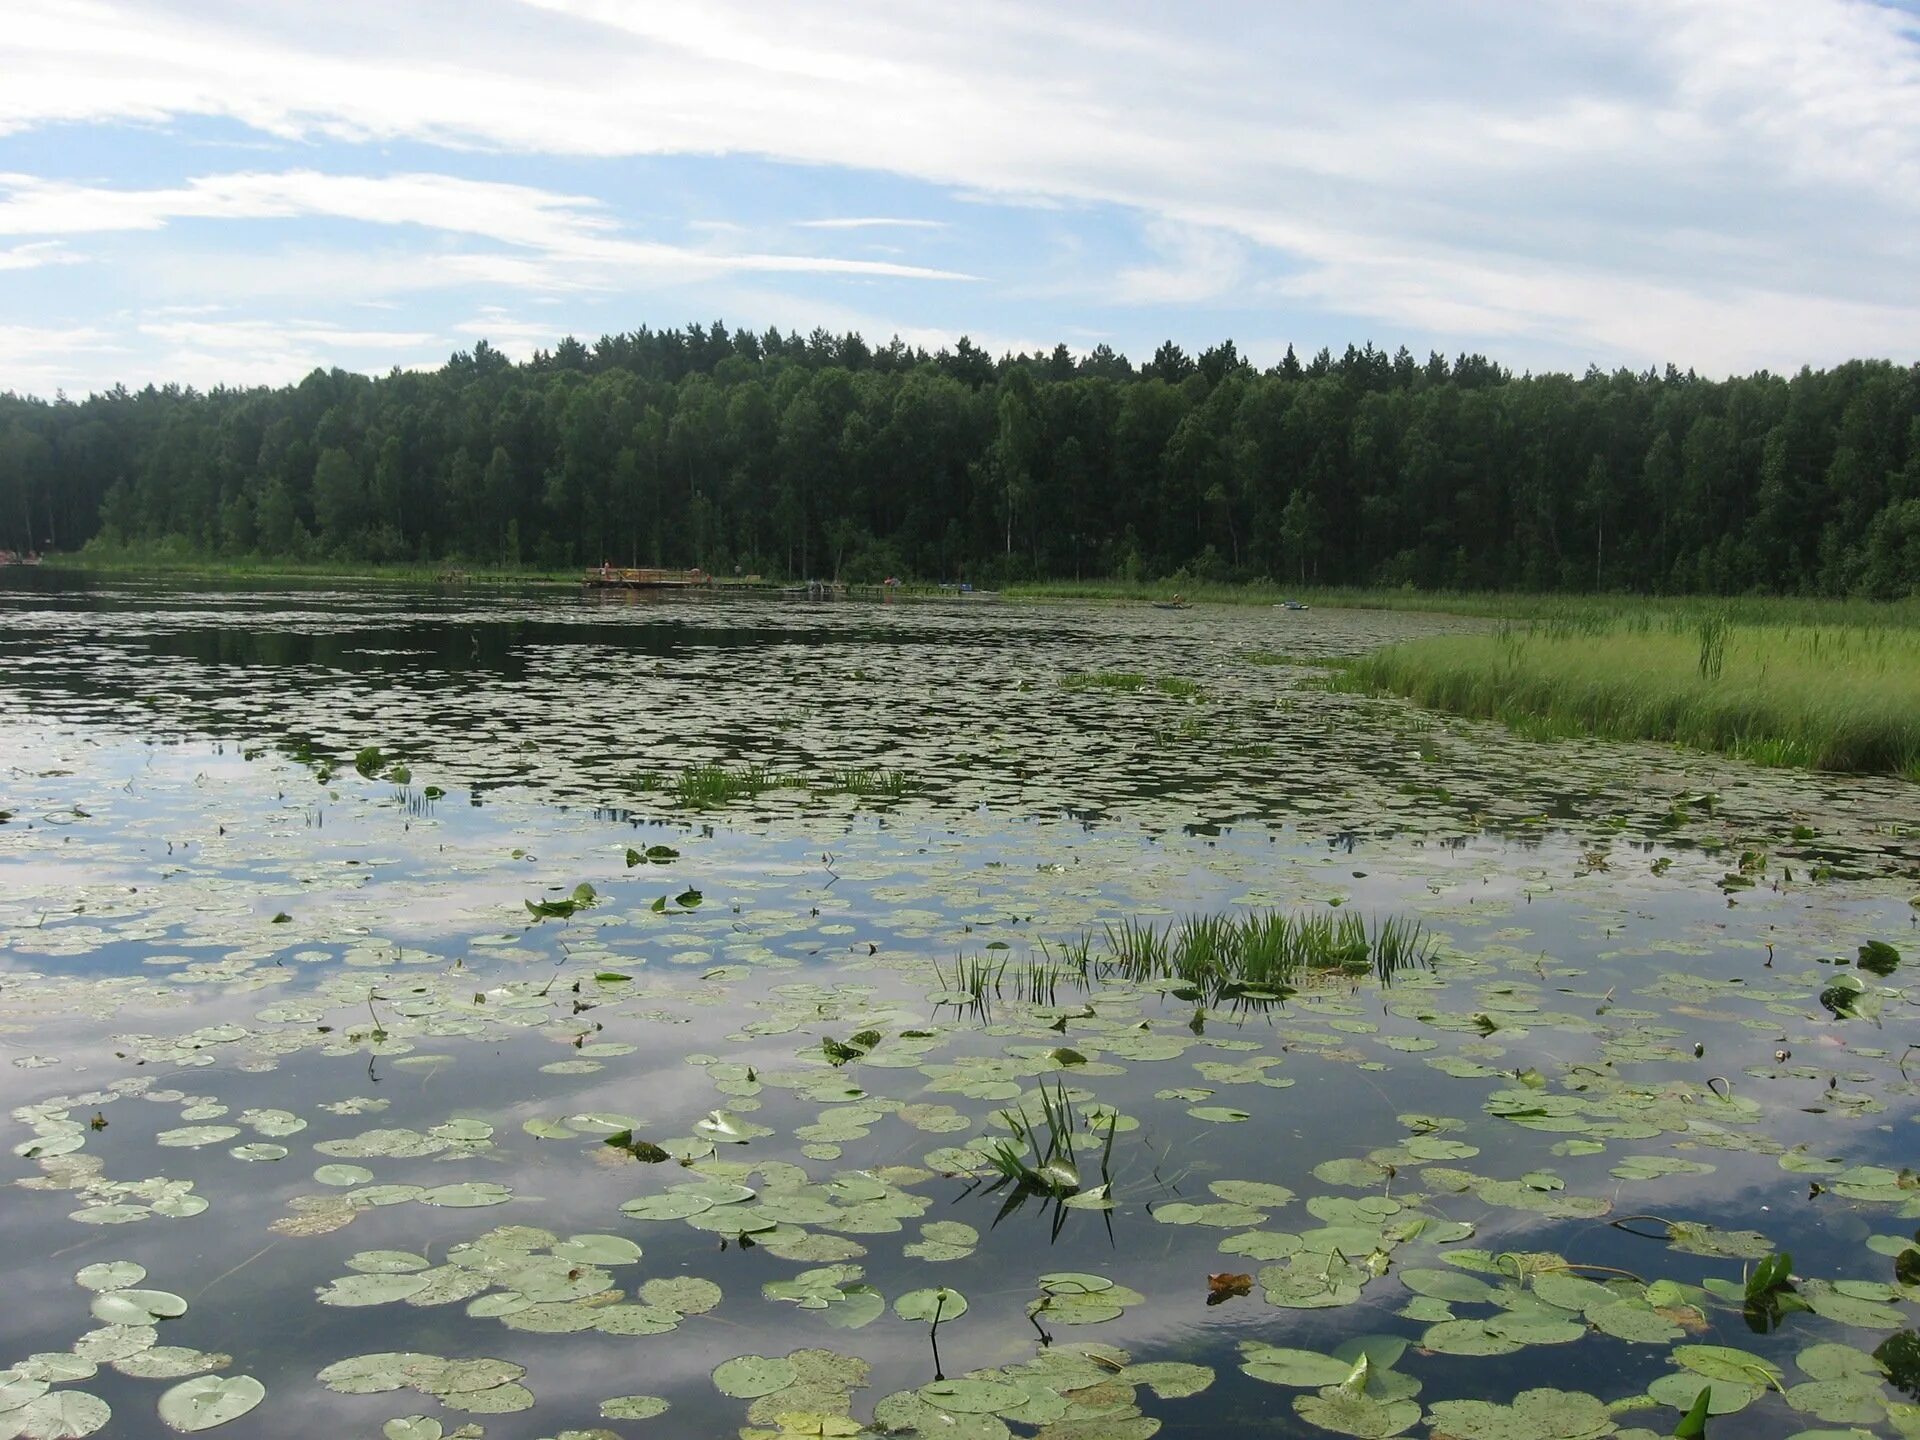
{"x":872,"y":780}
{"x":1129,"y":680}
{"x":705,"y":785}
{"x":1827,"y":697}
{"x":1265,"y":953}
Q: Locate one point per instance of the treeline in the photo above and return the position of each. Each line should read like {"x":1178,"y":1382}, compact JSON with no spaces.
{"x":824,"y":456}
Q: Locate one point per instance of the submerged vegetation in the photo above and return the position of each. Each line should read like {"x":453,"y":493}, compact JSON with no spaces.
{"x":1827,"y":697}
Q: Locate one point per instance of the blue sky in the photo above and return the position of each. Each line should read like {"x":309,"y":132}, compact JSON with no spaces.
{"x":211,"y":192}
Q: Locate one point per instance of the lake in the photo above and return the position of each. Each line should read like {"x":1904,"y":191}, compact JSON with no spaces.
{"x":452,"y":1012}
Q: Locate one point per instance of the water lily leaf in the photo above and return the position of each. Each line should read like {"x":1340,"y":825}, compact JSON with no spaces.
{"x":342,"y":1176}
{"x":1303,"y":1368}
{"x":598,"y":1250}
{"x":171,"y":1362}
{"x":111,"y":1275}
{"x":1851,"y":1400}
{"x":972,"y":1396}
{"x":470,"y":1194}
{"x":687,"y":1294}
{"x":355,"y":1290}
{"x":136,"y":1307}
{"x":632,"y":1407}
{"x":1544,"y":1414}
{"x":1252,"y":1192}
{"x":1345,"y":1414}
{"x":1836,"y":1362}
{"x":1728,"y":1364}
{"x":1682,"y":1388}
{"x":746,"y":1376}
{"x":57,"y":1416}
{"x":413,"y":1427}
{"x":194,"y":1136}
{"x":934,"y":1306}
{"x":1836,"y":1305}
{"x":209,"y":1400}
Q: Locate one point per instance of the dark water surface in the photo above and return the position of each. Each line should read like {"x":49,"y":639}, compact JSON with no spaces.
{"x":221,"y":940}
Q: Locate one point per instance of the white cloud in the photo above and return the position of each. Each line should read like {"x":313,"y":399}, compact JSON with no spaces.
{"x":33,"y":256}
{"x":39,"y":359}
{"x":871,"y":222}
{"x":1653,"y":177}
{"x":1199,"y":263}
{"x":566,"y":231}
{"x":249,"y":335}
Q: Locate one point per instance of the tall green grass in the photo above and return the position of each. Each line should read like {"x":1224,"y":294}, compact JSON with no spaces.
{"x":1518,"y":605}
{"x":1827,"y":697}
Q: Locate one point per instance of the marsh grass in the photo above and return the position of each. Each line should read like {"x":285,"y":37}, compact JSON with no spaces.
{"x":1040,"y":1156}
{"x":1499,"y":604}
{"x":873,"y":782}
{"x":710,"y":785}
{"x":1104,"y":680}
{"x":1128,"y":680}
{"x":1263,"y":954}
{"x":1827,"y":697}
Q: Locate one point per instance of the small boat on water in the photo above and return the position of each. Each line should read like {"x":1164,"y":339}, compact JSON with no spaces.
{"x":1291,"y":605}
{"x":1172,"y":605}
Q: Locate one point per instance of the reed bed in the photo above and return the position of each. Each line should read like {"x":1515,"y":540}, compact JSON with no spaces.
{"x":1826,"y":697}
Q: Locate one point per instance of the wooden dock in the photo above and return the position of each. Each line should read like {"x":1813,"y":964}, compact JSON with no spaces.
{"x":613,"y":577}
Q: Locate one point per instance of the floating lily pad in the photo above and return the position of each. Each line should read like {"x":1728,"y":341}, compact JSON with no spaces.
{"x":746,"y":1376}
{"x":210,"y":1400}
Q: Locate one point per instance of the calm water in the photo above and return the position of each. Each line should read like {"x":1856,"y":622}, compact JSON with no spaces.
{"x":272,"y":1022}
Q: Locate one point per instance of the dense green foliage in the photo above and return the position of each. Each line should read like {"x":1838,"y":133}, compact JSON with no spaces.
{"x":1831,"y":697}
{"x":824,"y":456}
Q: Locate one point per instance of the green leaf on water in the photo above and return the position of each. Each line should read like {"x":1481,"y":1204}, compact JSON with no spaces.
{"x":746,"y":1376}
{"x":938,"y":1305}
{"x":136,"y":1307}
{"x":632,"y":1407}
{"x":58,"y":1416}
{"x":111,"y":1275}
{"x":210,"y":1400}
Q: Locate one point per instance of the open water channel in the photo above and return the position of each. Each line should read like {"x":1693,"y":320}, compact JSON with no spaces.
{"x":312,"y":1056}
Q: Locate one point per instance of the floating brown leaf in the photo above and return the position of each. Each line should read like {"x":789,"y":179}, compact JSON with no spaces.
{"x":1226,"y":1285}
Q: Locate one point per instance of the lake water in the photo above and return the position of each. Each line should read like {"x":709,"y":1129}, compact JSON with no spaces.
{"x":330,"y":1044}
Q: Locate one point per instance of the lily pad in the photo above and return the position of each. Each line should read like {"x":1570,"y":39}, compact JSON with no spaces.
{"x":209,"y":1400}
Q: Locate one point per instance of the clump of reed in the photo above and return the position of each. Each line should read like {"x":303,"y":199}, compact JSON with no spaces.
{"x":1826,"y":697}
{"x":1131,"y":680}
{"x":709,"y":785}
{"x":1264,"y":954}
{"x":873,"y":781}
{"x":1039,"y":1159}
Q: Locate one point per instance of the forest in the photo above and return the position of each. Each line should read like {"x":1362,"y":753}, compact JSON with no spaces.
{"x":823,"y":456}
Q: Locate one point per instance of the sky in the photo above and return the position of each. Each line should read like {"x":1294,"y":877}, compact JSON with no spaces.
{"x":209,"y":192}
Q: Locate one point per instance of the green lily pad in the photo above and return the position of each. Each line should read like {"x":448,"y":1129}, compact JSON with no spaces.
{"x":940,"y":1304}
{"x":1307,"y":1369}
{"x":57,"y":1416}
{"x":136,"y":1307}
{"x":111,"y":1275}
{"x":632,"y":1407}
{"x":1544,"y":1414}
{"x":209,"y":1400}
{"x":1680,"y":1389}
{"x":746,"y":1376}
{"x":1346,"y":1414}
